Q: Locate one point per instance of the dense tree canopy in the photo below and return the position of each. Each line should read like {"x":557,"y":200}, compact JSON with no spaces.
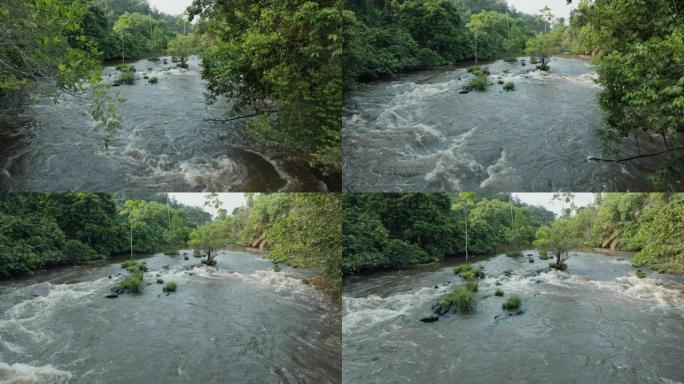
{"x":385,"y":231}
{"x":383,"y":38}
{"x":48,"y":229}
{"x":281,"y":60}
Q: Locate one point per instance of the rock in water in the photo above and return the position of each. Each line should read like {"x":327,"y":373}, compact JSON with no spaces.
{"x":440,"y":309}
{"x":112,"y":296}
{"x":430,"y":319}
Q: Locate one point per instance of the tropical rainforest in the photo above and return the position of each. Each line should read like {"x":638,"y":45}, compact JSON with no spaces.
{"x":394,"y":231}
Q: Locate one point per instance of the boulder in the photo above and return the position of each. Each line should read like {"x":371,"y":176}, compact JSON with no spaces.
{"x":112,"y":296}
{"x":430,"y":319}
{"x":440,"y":309}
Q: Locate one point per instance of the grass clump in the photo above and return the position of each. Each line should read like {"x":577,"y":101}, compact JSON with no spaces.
{"x":170,"y":287}
{"x":469,"y":272}
{"x":211,"y":263}
{"x":133,"y":267}
{"x":460,"y":298}
{"x":513,"y":302}
{"x":471,"y":286}
{"x":543,"y":255}
{"x":509,"y":87}
{"x":479,"y":82}
{"x":499,"y":292}
{"x":126,"y":77}
{"x":640,"y":274}
{"x":132,"y":283}
{"x":153,"y":80}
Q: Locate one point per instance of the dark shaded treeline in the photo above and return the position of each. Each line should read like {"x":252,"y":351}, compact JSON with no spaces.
{"x":389,"y":231}
{"x":40,"y":230}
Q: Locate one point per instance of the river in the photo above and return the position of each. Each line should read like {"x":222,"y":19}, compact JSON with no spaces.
{"x":237,"y":323}
{"x":595,"y":323}
{"x":167,"y":141}
{"x":418,"y":133}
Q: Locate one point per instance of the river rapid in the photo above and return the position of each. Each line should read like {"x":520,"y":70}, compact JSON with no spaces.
{"x":419,"y":133}
{"x":237,"y":323}
{"x":168,"y":140}
{"x":594,"y":323}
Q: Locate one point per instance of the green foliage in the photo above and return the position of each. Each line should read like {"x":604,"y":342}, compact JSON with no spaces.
{"x":184,"y":46}
{"x":660,"y":226}
{"x":512,"y":303}
{"x":280,"y":56}
{"x":170,"y":287}
{"x":479,"y":82}
{"x":210,"y":238}
{"x":542,"y":47}
{"x":77,"y":252}
{"x":385,"y":38}
{"x":44,"y":49}
{"x":48,"y":229}
{"x":133,"y":266}
{"x":469,"y":272}
{"x":640,"y":274}
{"x":132,"y":283}
{"x":461,"y":298}
{"x":471,"y":286}
{"x":389,"y":231}
{"x":543,"y":255}
{"x":126,"y":77}
{"x":499,"y":292}
{"x":560,"y":238}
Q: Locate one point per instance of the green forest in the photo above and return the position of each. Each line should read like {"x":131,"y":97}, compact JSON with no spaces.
{"x":42,"y":230}
{"x":279,"y":63}
{"x":302,"y":230}
{"x":394,"y":231}
{"x":39,"y":231}
{"x":390,"y":231}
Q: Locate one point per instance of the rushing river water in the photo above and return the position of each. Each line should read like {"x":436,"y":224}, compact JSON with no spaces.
{"x":594,"y":323}
{"x":167,"y":142}
{"x":418,"y":133}
{"x":237,"y":323}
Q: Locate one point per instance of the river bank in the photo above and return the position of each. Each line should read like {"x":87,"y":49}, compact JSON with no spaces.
{"x":238,"y":322}
{"x":595,"y":322}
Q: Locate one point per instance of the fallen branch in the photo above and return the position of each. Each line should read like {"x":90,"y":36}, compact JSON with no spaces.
{"x":634,"y":157}
{"x":240,"y":117}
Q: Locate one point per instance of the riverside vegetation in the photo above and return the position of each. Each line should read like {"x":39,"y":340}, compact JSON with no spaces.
{"x":46,"y":230}
{"x":636,"y":48}
{"x":398,"y":231}
{"x":280,"y":64}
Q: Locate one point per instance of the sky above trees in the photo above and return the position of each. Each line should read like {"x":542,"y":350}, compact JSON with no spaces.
{"x":558,"y":7}
{"x":172,"y":7}
{"x":230,"y":200}
{"x":544,"y":200}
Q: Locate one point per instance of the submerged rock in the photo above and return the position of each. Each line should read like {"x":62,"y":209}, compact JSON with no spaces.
{"x":112,"y":296}
{"x":440,"y":309}
{"x":430,"y":319}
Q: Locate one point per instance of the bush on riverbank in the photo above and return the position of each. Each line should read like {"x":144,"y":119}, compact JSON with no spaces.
{"x":461,"y":298}
{"x":512,"y":303}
